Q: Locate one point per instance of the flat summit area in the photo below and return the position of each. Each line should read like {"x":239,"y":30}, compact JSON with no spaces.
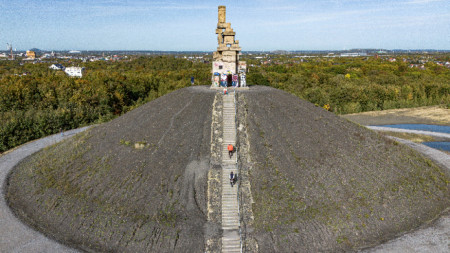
{"x":314,"y":181}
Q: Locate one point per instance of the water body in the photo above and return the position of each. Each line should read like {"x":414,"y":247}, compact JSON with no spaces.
{"x":441,"y":145}
{"x":423,"y":127}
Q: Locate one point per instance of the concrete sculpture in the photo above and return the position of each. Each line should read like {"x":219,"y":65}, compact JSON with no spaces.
{"x":226,"y":65}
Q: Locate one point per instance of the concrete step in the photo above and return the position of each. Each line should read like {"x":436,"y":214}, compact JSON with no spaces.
{"x":230,"y":205}
{"x":228,"y":162}
{"x":233,"y":239}
{"x":229,"y":199}
{"x":235,"y":226}
{"x":229,"y":227}
{"x":228,"y":192}
{"x":231,"y":247}
{"x":230,"y":219}
{"x":227,"y":220}
{"x":230,"y":210}
{"x":232,"y":196}
{"x":231,"y":250}
{"x":232,"y":244}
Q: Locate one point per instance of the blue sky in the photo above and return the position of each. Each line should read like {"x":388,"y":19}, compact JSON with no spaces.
{"x":190,"y":25}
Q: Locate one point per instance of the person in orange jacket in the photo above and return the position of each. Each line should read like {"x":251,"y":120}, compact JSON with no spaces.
{"x":230,"y":150}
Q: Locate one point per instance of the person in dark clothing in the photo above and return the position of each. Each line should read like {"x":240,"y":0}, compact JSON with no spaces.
{"x":231,"y":178}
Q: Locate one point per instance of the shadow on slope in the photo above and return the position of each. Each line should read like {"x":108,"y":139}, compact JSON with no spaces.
{"x":135,"y":184}
{"x":322,"y":183}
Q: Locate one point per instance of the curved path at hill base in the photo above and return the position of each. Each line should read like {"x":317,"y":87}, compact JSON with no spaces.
{"x":433,"y":237}
{"x":15,"y":236}
{"x":400,"y":130}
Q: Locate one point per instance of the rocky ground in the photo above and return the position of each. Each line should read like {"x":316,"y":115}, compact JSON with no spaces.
{"x":322,"y":183}
{"x":135,"y":184}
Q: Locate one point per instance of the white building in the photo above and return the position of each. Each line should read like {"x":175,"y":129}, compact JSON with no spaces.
{"x":74,"y":71}
{"x":57,"y":67}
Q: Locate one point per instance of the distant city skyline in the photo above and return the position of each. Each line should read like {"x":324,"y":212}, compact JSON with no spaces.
{"x":262,"y":25}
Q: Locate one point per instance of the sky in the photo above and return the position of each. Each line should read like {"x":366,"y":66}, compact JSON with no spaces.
{"x":190,"y":25}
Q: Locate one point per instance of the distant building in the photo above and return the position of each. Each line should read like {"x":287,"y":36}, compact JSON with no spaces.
{"x":57,"y":67}
{"x":31,"y":54}
{"x":353,"y":54}
{"x":74,"y":71}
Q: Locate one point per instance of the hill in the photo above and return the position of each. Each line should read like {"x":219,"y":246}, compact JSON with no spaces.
{"x":310,"y":180}
{"x":321,"y":183}
{"x":135,"y":184}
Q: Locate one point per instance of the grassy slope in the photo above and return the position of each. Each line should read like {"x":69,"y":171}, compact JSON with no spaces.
{"x":321,"y":183}
{"x":135,"y":184}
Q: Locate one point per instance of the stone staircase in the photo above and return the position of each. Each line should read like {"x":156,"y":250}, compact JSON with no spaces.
{"x":230,"y":210}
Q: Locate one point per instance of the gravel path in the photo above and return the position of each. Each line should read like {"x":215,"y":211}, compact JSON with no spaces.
{"x":16,"y":236}
{"x":399,"y":130}
{"x":432,"y":238}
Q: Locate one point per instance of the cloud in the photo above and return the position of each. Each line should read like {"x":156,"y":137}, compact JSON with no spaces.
{"x":323,"y":16}
{"x":422,"y":1}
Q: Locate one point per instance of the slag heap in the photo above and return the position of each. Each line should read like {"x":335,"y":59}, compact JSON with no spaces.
{"x":227,"y":69}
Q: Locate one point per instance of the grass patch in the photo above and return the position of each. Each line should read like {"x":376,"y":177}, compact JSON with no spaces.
{"x":417,"y":138}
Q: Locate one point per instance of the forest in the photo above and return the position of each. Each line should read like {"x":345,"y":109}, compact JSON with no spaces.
{"x":46,"y":101}
{"x":357,"y":84}
{"x":36,"y":101}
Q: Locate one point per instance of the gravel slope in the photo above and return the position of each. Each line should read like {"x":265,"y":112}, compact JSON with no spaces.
{"x":322,"y":183}
{"x":135,"y":184}
{"x":432,"y":237}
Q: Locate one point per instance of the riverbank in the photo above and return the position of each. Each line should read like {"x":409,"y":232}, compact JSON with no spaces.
{"x":432,"y":115}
